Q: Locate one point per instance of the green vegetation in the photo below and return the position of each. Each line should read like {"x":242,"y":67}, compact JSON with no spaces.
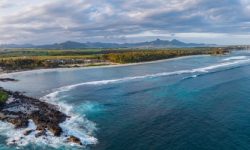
{"x":32,"y":62}
{"x":3,"y":97}
{"x":142,"y":56}
{"x":25,"y":59}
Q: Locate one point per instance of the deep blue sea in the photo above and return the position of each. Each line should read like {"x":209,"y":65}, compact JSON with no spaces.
{"x":190,"y":103}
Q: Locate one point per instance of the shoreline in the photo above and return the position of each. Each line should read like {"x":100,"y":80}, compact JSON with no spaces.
{"x":22,"y":111}
{"x":42,"y":70}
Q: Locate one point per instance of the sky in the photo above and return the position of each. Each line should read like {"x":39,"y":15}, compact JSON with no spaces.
{"x":223,"y":22}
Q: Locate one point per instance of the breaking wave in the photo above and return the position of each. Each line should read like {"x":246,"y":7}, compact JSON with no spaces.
{"x":235,"y":58}
{"x":76,"y":125}
{"x":15,"y":137}
{"x":125,"y":79}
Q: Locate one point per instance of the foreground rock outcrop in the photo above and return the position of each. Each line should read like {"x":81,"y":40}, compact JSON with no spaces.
{"x":19,"y":109}
{"x":73,"y":139}
{"x":8,"y":80}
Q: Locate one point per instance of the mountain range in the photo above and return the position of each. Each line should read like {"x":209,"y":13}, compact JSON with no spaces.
{"x":77,"y":45}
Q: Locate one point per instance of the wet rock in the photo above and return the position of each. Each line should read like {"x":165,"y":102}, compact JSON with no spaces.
{"x":55,"y":129}
{"x":27,"y":132}
{"x":74,"y":139}
{"x":21,"y":109}
{"x":8,"y":80}
{"x":18,"y":122}
{"x":41,"y":133}
{"x":2,"y":116}
{"x":40,"y":128}
{"x":13,"y":141}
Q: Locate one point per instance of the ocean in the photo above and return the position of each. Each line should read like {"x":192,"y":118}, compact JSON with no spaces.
{"x":189,"y":103}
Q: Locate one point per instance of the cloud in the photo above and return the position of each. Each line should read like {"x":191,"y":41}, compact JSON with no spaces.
{"x":120,"y":20}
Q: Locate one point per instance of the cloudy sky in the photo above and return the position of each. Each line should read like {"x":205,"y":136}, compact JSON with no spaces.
{"x":49,"y":21}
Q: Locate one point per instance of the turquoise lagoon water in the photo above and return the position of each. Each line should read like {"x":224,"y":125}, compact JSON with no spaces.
{"x":200,"y":102}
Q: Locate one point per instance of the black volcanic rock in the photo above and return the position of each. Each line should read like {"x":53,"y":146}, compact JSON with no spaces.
{"x":27,"y":132}
{"x":74,"y":139}
{"x":7,"y":80}
{"x":20,"y":109}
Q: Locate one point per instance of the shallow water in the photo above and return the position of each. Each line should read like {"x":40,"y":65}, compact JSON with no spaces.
{"x":200,"y":102}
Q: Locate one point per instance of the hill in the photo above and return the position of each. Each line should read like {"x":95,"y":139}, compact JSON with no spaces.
{"x":77,"y":45}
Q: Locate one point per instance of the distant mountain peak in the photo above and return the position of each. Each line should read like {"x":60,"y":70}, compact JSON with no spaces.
{"x":158,"y":43}
{"x":175,"y":40}
{"x":69,"y":42}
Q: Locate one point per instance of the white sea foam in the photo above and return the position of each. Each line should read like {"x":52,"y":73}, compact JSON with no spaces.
{"x":70,"y":127}
{"x":103,"y":82}
{"x":194,"y":76}
{"x":235,"y":58}
{"x":76,"y":125}
{"x":221,"y":65}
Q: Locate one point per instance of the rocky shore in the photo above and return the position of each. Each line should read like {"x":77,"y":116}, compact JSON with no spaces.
{"x":20,"y":109}
{"x":7,"y":80}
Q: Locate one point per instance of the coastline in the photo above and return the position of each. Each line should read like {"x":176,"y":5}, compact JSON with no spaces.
{"x":4,"y":74}
{"x":34,"y":118}
{"x":37,"y":112}
{"x":172,"y":60}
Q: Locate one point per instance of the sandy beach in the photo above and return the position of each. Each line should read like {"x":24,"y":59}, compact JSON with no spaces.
{"x":4,"y":74}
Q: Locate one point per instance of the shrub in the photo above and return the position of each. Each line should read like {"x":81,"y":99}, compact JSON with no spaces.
{"x":3,"y":97}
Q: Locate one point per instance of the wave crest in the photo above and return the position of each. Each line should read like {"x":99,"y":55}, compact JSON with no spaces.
{"x":125,"y":79}
{"x":235,"y":58}
{"x":76,"y":125}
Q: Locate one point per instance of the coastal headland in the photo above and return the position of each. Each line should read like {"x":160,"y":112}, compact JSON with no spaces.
{"x":20,"y":110}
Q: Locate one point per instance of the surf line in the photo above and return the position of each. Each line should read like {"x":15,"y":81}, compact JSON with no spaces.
{"x":125,"y":79}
